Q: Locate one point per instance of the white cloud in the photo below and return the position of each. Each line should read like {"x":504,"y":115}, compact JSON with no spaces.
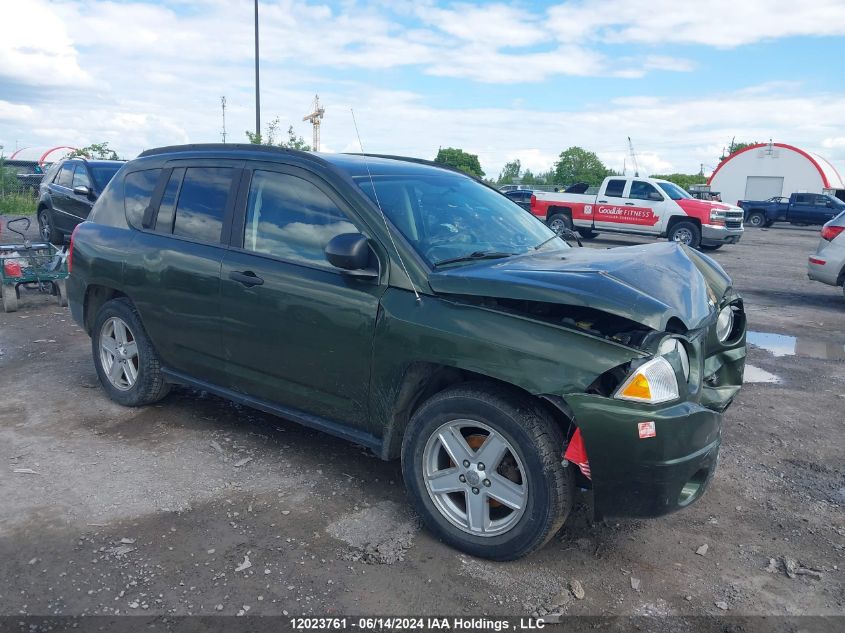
{"x":718,"y":23}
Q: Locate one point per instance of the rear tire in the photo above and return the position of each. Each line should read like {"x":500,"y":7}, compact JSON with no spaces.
{"x":686,"y":233}
{"x":127,"y":364}
{"x":10,"y":298}
{"x":61,"y":292}
{"x":587,"y":234}
{"x":527,"y":471}
{"x":47,"y":228}
{"x":558,"y":222}
{"x":756,"y":219}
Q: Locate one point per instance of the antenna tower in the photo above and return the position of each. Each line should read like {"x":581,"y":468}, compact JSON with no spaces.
{"x":223,"y":108}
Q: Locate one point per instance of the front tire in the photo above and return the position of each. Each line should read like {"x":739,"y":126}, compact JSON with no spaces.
{"x":711,"y":247}
{"x":482,"y":466}
{"x":686,"y":233}
{"x":127,"y":364}
{"x":47,"y":228}
{"x":756,"y":219}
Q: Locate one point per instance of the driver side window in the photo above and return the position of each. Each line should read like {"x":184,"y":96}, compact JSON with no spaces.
{"x":290,"y":218}
{"x":641,"y":190}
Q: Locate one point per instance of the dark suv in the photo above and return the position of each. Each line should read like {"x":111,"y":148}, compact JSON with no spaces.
{"x":414,"y":310}
{"x":68,"y":191}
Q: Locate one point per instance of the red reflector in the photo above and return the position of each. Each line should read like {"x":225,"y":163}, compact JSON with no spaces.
{"x":70,"y":249}
{"x":830,"y":232}
{"x":816,"y":260}
{"x":577,"y":454}
{"x":12,"y":269}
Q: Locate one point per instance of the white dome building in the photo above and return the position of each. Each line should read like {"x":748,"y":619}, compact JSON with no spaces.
{"x":764,"y":170}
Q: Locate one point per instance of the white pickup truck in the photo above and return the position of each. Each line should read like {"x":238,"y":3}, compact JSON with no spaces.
{"x":641,"y":206}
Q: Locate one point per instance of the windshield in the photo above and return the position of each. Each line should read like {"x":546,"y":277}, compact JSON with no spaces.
{"x":448,"y":217}
{"x":673,"y":191}
{"x":103,"y":173}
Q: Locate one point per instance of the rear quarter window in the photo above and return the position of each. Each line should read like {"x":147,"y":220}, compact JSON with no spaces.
{"x":138,"y":191}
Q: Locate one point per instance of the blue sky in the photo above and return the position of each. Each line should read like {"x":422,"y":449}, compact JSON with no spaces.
{"x":504,"y":80}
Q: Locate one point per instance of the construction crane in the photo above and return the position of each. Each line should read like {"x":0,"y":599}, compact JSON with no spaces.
{"x":317,"y":112}
{"x":633,"y":157}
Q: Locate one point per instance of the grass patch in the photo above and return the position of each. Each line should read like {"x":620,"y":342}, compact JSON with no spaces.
{"x":16,"y":204}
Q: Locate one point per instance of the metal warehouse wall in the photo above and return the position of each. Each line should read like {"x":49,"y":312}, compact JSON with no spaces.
{"x":768,"y":170}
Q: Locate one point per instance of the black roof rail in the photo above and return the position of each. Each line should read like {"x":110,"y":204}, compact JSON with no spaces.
{"x":248,"y":147}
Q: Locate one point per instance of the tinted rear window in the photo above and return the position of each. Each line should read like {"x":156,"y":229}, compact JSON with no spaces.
{"x":103,"y":173}
{"x":202,"y":203}
{"x":138,"y":190}
{"x":615,"y":188}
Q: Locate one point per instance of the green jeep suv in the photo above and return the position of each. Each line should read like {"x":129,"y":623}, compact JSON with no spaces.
{"x":414,"y":310}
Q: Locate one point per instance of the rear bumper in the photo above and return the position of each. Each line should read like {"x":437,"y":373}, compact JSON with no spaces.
{"x":649,"y":476}
{"x":827,"y":272}
{"x":713,"y":234}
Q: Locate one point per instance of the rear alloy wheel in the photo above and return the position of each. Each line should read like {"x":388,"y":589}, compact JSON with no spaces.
{"x":47,"y":230}
{"x":483,"y":469}
{"x":685,"y":233}
{"x":127,"y":364}
{"x":559,"y":222}
{"x":756,"y":219}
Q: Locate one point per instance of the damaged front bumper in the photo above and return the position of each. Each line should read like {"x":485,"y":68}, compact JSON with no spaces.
{"x":646,"y":461}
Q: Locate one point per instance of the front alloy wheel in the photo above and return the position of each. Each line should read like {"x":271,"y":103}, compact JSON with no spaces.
{"x":475,"y":478}
{"x":482,"y":464}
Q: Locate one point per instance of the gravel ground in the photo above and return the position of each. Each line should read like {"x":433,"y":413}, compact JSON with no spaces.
{"x":199,"y":506}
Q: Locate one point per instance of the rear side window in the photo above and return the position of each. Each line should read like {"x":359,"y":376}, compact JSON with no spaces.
{"x":802,"y":199}
{"x":291,"y":218}
{"x":615,"y":188}
{"x":138,"y":191}
{"x":65,"y":178}
{"x":167,"y":208}
{"x":202,"y":203}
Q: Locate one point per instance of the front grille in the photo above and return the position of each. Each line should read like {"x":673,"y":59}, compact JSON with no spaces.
{"x":733,"y":224}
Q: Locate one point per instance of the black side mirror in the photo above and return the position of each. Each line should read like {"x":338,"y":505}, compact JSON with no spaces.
{"x":655,"y":196}
{"x":81,"y":190}
{"x":351,"y":253}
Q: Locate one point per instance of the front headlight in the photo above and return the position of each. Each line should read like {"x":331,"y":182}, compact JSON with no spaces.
{"x":725,"y":324}
{"x":671,"y":344}
{"x":717,"y":216}
{"x":652,"y":382}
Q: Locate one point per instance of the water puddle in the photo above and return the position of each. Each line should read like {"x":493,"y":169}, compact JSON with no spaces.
{"x":782,"y":345}
{"x":755,"y":374}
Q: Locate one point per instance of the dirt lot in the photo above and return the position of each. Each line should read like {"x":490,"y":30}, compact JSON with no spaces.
{"x":198,"y":506}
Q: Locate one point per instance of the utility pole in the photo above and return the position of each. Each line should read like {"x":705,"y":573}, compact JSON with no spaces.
{"x":257,"y":80}
{"x":223,"y":107}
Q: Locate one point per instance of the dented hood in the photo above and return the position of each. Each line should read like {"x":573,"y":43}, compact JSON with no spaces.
{"x":649,"y":284}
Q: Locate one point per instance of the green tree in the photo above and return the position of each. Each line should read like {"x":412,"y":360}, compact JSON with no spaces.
{"x":579,"y":165}
{"x":273,"y":138}
{"x":528,"y":178}
{"x":683,"y":180}
{"x":460,"y":159}
{"x":95,"y":150}
{"x":510,"y":172}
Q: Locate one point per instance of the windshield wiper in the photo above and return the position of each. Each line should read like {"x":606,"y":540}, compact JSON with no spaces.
{"x":564,"y":233}
{"x":474,"y":256}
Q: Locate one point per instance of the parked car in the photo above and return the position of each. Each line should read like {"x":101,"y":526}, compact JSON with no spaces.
{"x":828,"y":264}
{"x":68,"y":192}
{"x":521,"y":196}
{"x":799,"y":208}
{"x":413,"y":310}
{"x":641,"y":206}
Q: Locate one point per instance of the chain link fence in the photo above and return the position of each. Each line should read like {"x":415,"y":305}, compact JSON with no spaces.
{"x":18,"y":191}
